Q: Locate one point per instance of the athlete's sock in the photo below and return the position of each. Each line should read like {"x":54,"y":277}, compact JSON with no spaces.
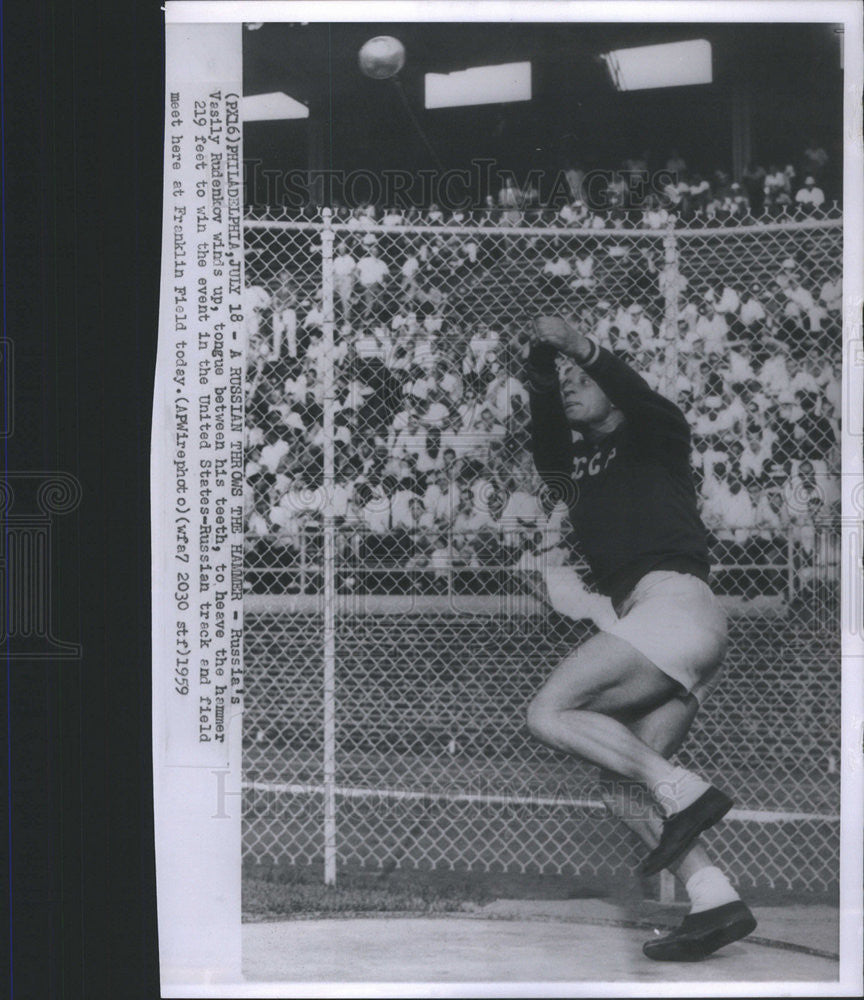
{"x":678,"y":791}
{"x":708,"y":888}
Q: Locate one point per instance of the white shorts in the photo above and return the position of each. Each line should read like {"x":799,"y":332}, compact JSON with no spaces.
{"x":676,"y":621}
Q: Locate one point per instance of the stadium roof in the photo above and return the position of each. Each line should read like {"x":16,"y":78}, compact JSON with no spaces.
{"x":791,"y":72}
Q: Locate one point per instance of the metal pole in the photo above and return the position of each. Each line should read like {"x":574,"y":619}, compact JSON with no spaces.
{"x":303,"y":557}
{"x":670,"y":312}
{"x":790,"y":568}
{"x":329,"y":588}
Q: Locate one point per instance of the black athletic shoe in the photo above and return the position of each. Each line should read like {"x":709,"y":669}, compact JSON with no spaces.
{"x":701,"y":934}
{"x":684,"y":826}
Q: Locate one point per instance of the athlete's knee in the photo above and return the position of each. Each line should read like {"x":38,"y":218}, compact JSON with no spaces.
{"x":540,"y":718}
{"x":544,"y":719}
{"x":545,"y":711}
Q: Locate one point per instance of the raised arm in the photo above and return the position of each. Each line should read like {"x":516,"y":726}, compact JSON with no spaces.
{"x":551,"y":438}
{"x":655,"y":420}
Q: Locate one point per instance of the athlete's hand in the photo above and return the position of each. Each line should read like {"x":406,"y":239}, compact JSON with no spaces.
{"x":558,"y":333}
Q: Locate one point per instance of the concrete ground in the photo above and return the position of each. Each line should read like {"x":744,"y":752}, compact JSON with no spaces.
{"x":525,"y":941}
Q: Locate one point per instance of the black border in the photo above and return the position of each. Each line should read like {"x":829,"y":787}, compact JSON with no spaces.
{"x":82,"y":142}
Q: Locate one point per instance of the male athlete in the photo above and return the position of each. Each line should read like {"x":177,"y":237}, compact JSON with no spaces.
{"x":626,"y":697}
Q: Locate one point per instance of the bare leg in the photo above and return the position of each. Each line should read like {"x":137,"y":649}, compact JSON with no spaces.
{"x":658,"y":720}
{"x":574,"y":711}
{"x":664,"y":730}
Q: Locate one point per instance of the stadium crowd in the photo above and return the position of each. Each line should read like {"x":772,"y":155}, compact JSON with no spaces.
{"x":637,"y":194}
{"x":432,"y":467}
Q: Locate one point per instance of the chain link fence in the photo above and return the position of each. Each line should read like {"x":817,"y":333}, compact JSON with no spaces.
{"x":396,"y":532}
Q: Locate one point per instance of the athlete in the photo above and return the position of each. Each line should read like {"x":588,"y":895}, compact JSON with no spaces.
{"x":625,"y":699}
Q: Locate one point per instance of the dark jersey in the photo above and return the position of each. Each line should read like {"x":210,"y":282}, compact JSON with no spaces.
{"x":630,"y":494}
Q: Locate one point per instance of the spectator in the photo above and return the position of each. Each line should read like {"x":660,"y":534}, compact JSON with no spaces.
{"x":511,"y":200}
{"x":716,"y":494}
{"x":442,"y":557}
{"x":574,"y":214}
{"x":438,"y":404}
{"x":538,"y":555}
{"x":727,"y":299}
{"x":274,"y":450}
{"x":410,"y":440}
{"x":791,"y":175}
{"x":392,"y":217}
{"x":655,"y":215}
{"x":768,"y":505}
{"x":736,"y":203}
{"x":752,"y":313}
{"x":616,"y":190}
{"x":429,"y":455}
{"x":712,"y":417}
{"x":753,"y":180}
{"x":468,"y":519}
{"x":798,"y":379}
{"x":409,"y":275}
{"x":583,"y":270}
{"x":800,"y":307}
{"x":810,"y":197}
{"x":755,"y":461}
{"x":450,"y":462}
{"x":441,"y":497}
{"x":776,"y":186}
{"x":688,"y":310}
{"x":784,"y":427}
{"x":461,"y":370}
{"x":711,"y":326}
{"x":462,"y":439}
{"x":603,"y":322}
{"x":831,"y":294}
{"x":376,"y":514}
{"x":633,"y":320}
{"x":371,"y":274}
{"x":258,"y":519}
{"x":699,"y":192}
{"x":679,"y":195}
{"x":484,"y":427}
{"x":740,"y":519}
{"x":500,"y":391}
{"x":556,"y":268}
{"x":575,"y":177}
{"x":256,"y":303}
{"x":806,"y":502}
{"x":284,"y":316}
{"x":815,"y":431}
{"x":520,"y":516}
{"x":815,"y":160}
{"x":434,"y":217}
{"x":774,"y":373}
{"x":410,"y":515}
{"x":344,"y":273}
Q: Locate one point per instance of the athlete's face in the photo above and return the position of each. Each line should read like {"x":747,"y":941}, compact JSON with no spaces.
{"x":584,"y":400}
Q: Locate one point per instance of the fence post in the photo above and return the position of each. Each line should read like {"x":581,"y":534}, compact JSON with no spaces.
{"x":329,"y":557}
{"x":670,"y":288}
{"x":790,"y":568}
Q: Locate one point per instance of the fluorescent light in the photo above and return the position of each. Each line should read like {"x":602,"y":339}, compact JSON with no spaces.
{"x":271,"y":107}
{"x":479,"y":85}
{"x":676,"y":64}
